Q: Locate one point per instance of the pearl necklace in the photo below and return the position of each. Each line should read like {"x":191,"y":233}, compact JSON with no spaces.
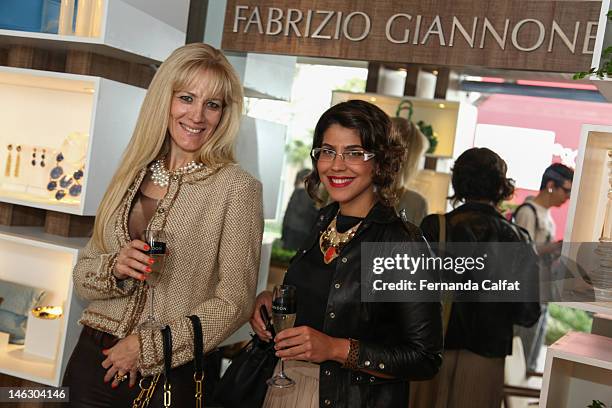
{"x":160,"y":175}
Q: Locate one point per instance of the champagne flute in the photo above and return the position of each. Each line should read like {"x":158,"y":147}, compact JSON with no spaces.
{"x":283,"y":317}
{"x":156,"y":240}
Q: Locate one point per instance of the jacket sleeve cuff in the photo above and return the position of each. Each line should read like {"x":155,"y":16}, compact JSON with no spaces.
{"x":103,"y":280}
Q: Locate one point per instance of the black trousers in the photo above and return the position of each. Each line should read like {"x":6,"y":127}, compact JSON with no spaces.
{"x":85,"y":377}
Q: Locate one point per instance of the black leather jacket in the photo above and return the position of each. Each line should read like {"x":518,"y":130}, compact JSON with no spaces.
{"x":403,"y":340}
{"x":483,"y":328}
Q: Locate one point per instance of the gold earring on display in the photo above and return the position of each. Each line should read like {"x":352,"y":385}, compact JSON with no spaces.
{"x":9,"y":159}
{"x":17,"y":161}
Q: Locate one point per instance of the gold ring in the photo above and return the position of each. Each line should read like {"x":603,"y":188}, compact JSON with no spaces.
{"x":120,"y":378}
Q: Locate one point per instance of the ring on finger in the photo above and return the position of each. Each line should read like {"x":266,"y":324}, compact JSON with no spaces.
{"x":120,"y":377}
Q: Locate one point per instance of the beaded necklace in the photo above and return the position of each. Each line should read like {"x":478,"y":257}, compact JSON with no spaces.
{"x":160,"y":175}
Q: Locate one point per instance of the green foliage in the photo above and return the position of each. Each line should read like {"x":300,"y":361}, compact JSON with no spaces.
{"x":565,"y":319}
{"x":606,"y":66}
{"x":281,"y":256}
{"x":427,"y":130}
{"x":297,"y":152}
{"x":352,"y":85}
{"x":597,"y":404}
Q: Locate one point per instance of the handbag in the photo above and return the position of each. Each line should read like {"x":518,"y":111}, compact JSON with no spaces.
{"x":148,"y":392}
{"x":244,"y":383}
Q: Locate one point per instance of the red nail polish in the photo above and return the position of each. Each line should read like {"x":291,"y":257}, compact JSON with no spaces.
{"x":114,"y":385}
{"x":148,"y":269}
{"x":147,"y":247}
{"x":151,"y":261}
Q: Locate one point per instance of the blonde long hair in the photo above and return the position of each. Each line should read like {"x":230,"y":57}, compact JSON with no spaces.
{"x":150,"y":139}
{"x":410,"y":137}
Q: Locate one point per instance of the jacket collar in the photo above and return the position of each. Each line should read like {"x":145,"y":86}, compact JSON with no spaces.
{"x":479,"y":207}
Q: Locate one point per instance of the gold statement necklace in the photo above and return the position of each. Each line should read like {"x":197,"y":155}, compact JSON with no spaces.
{"x":331,"y":241}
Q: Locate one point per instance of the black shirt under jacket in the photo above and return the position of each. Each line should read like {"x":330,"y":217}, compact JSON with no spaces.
{"x":483,"y":328}
{"x":403,"y":340}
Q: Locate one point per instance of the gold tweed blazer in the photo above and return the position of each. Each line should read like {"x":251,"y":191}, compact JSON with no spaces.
{"x":213,"y":219}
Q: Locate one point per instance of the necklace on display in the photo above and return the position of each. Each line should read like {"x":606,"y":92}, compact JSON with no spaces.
{"x":160,"y":175}
{"x":331,"y":241}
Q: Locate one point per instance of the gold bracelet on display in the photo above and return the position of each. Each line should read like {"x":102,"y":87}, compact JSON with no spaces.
{"x":353,"y":355}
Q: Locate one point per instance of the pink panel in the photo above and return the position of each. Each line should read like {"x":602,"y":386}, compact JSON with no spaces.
{"x":564,"y":117}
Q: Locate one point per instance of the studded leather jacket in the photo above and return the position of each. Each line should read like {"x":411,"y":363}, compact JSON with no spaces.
{"x":401,"y":340}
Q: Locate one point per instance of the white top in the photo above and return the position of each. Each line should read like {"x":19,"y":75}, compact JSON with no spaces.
{"x":526,"y":218}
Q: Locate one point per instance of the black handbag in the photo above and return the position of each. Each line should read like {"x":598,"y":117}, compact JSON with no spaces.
{"x":244,"y":383}
{"x":189,"y":381}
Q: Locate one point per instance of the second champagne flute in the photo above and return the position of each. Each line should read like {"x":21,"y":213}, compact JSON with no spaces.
{"x":283,"y":317}
{"x":156,"y":240}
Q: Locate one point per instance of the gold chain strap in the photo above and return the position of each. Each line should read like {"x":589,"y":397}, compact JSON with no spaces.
{"x":146,"y":393}
{"x":167,"y":394}
{"x":198,"y":384}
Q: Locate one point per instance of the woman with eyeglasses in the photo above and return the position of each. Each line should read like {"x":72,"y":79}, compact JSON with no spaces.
{"x":343,"y":352}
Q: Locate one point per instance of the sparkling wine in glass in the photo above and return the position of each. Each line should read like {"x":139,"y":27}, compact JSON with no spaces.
{"x":156,"y":239}
{"x":283,"y":317}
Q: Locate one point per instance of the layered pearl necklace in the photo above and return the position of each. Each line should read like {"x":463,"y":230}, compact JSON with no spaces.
{"x":160,"y":175}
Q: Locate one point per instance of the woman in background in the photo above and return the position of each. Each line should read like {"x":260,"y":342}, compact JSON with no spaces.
{"x":412,"y":206}
{"x":478,"y":335}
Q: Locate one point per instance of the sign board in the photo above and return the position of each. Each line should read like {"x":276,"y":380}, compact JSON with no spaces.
{"x":537,"y":35}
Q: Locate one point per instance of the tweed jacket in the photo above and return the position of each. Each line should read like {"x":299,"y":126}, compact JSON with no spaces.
{"x":213,"y":220}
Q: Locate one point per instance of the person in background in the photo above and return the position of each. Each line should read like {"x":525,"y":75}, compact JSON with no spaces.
{"x":412,"y":206}
{"x":534,"y":216}
{"x":343,"y":352}
{"x":300,"y":215}
{"x":478,"y":335}
{"x":177,"y":174}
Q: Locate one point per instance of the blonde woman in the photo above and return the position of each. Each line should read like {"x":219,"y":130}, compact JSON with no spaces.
{"x":177,"y":174}
{"x":411,"y":205}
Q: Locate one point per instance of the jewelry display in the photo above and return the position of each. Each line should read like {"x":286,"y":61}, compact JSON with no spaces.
{"x":17,"y":161}
{"x":160,"y":175}
{"x":331,"y":241}
{"x":33,"y":157}
{"x":42,"y":158}
{"x":601,"y":277}
{"x":9,"y":159}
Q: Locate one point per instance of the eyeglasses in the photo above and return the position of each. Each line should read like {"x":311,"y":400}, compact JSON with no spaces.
{"x":324,"y":154}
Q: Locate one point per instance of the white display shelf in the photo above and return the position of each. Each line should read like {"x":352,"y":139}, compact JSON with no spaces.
{"x":40,"y":110}
{"x":454,"y":123}
{"x":120,"y":26}
{"x":588,"y":200}
{"x":31,"y":257}
{"x":578,"y":370}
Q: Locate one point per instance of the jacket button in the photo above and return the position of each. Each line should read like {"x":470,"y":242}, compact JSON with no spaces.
{"x":160,"y":210}
{"x":327,"y":402}
{"x":367,"y":363}
{"x":344,"y":260}
{"x":304,"y":251}
{"x":332,"y":315}
{"x":337,"y":286}
{"x":381,"y":366}
{"x":327,"y":373}
{"x":358,"y":378}
{"x":372,"y":379}
{"x":321,"y":217}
